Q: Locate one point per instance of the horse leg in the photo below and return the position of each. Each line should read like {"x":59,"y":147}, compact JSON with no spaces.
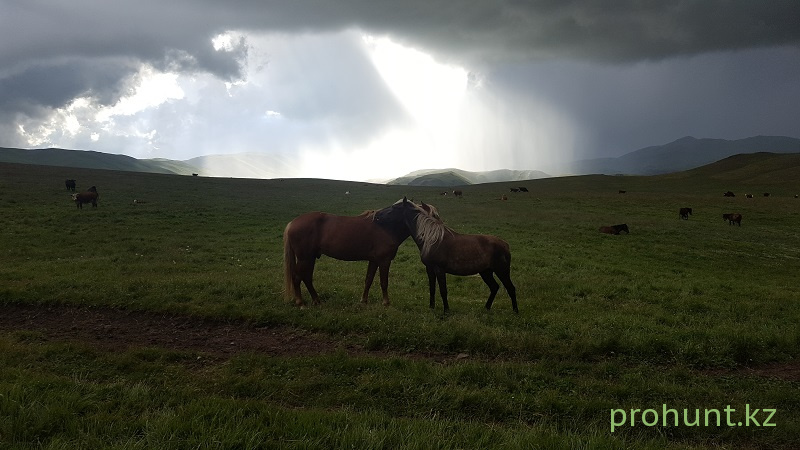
{"x":306,"y":270}
{"x":385,"y":282}
{"x":488,"y":278}
{"x":441,"y":276}
{"x":432,"y":285}
{"x":371,"y":268}
{"x":505,"y":278}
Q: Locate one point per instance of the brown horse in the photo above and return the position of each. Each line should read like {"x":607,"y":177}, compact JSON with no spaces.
{"x":733,"y":218}
{"x":347,"y":238}
{"x":443,"y":251}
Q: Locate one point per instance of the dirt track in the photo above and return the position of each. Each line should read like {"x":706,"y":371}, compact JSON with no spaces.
{"x":116,"y":329}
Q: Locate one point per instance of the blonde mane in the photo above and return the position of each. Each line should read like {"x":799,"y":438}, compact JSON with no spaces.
{"x":430,"y":231}
{"x":369,"y":214}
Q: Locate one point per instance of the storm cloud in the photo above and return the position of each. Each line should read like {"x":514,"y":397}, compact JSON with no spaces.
{"x":559,"y":62}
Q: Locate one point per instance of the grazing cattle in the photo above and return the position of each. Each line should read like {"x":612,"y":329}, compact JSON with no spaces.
{"x":138,"y":202}
{"x":748,"y":195}
{"x":615,"y":229}
{"x":443,"y":193}
{"x":684,"y":213}
{"x":766,"y":194}
{"x":503,"y":197}
{"x":622,"y":192}
{"x":733,"y":218}
{"x":70,"y":185}
{"x":523,"y":189}
{"x":443,"y":250}
{"x":458,"y":193}
{"x":194,"y":174}
{"x":90,"y":196}
{"x":346,"y":238}
{"x":513,"y":189}
{"x":728,"y":194}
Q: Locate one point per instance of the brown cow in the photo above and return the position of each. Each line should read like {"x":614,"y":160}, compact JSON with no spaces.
{"x":458,"y":193}
{"x":90,"y":196}
{"x":733,"y":218}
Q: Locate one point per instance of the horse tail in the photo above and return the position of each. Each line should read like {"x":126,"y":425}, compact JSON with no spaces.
{"x":289,"y":264}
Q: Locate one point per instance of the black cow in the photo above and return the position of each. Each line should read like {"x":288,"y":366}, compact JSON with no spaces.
{"x":684,"y":213}
{"x":70,"y":185}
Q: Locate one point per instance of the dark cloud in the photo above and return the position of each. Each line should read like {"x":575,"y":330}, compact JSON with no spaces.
{"x":613,"y":68}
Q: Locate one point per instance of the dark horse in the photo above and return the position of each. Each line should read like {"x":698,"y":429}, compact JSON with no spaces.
{"x":444,"y":251}
{"x":615,"y":229}
{"x":90,"y":196}
{"x":684,"y":213}
{"x":347,"y":238}
{"x":733,"y":218}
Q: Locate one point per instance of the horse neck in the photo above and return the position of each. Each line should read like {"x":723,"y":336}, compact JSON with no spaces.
{"x":398,"y":230}
{"x":426,"y":231}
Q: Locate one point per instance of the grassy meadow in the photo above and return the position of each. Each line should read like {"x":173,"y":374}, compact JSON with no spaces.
{"x":684,"y":315}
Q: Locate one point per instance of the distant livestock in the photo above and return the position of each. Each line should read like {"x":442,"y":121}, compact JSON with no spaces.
{"x":523,"y":189}
{"x":684,"y":213}
{"x":458,"y":193}
{"x":70,"y":185}
{"x":733,"y":218}
{"x":622,"y":192}
{"x":728,"y":194}
{"x":513,"y":189}
{"x":795,"y":195}
{"x":766,"y":194}
{"x":194,"y":174}
{"x":748,"y":195}
{"x":615,"y":229}
{"x":90,"y":196}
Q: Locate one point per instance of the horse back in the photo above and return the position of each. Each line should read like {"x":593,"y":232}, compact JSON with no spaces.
{"x":342,"y":237}
{"x":468,"y":254}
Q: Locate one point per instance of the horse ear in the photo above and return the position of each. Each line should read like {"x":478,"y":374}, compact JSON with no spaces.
{"x":424,"y":205}
{"x":405,"y":199}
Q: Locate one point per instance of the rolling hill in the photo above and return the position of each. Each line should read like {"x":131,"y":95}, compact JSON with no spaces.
{"x":683,"y":154}
{"x":456,"y":177}
{"x":93,"y":160}
{"x":751,"y":169}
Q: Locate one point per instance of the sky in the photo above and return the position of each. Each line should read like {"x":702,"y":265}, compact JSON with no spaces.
{"x":374,"y":89}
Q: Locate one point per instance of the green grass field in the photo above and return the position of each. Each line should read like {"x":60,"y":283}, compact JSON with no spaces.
{"x":684,"y":315}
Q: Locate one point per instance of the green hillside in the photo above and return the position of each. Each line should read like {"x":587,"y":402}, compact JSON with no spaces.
{"x":93,"y":160}
{"x":691,"y":315}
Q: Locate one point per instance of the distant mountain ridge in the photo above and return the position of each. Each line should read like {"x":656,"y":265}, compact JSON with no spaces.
{"x":90,"y":159}
{"x":457,"y":177}
{"x":680,"y":155}
{"x":683,"y":154}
